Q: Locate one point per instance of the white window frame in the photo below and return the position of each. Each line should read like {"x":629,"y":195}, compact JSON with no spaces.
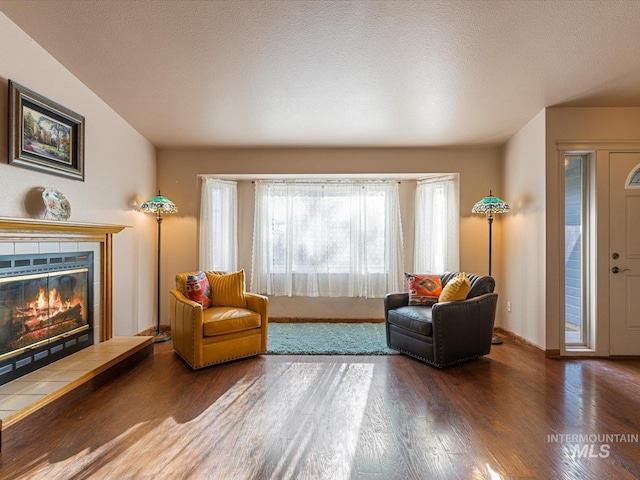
{"x":588,"y":258}
{"x":360,"y":281}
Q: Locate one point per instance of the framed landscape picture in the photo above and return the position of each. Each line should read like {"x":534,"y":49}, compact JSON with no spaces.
{"x":43,"y":135}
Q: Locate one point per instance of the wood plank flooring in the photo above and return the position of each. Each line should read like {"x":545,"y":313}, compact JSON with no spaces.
{"x":346,"y":417}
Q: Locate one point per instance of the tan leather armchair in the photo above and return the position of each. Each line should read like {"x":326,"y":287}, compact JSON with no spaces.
{"x":204,"y":337}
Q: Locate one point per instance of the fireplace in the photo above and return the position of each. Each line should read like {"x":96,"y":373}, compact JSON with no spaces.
{"x":46,"y":309}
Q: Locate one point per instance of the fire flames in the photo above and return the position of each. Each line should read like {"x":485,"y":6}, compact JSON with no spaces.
{"x":42,"y":308}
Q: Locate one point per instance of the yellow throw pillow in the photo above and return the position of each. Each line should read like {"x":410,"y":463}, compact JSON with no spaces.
{"x":457,"y":289}
{"x":227,"y":289}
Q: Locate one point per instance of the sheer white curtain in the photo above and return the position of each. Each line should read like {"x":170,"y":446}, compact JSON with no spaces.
{"x":218,"y":225}
{"x":329,"y":239}
{"x":437,"y":217}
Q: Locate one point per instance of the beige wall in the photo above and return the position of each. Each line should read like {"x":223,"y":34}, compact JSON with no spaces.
{"x":533,"y":179}
{"x":119,"y":169}
{"x":524,"y":233}
{"x":178,"y":169}
{"x":587,"y":125}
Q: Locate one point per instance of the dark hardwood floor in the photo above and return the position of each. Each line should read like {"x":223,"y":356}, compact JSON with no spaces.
{"x":510,"y":415}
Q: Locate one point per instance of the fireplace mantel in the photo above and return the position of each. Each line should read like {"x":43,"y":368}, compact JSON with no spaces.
{"x":16,"y":227}
{"x":36,"y":230}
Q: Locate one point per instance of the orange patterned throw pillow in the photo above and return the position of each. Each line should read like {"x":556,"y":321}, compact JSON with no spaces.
{"x":424,"y":289}
{"x":198,"y":289}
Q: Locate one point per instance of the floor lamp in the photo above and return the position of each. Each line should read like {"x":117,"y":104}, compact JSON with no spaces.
{"x":490,"y":206}
{"x":159,"y":205}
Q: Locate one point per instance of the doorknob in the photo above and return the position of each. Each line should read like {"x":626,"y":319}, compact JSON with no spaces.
{"x":619,"y":270}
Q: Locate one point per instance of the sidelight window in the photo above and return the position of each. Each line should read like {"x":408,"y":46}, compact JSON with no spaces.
{"x":576,"y":251}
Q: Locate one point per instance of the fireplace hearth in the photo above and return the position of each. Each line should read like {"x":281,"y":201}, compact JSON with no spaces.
{"x":46,"y":303}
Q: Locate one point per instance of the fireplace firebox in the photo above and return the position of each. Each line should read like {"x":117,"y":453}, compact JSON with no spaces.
{"x":46,"y":310}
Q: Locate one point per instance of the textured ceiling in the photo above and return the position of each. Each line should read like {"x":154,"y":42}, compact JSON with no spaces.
{"x":340,"y":73}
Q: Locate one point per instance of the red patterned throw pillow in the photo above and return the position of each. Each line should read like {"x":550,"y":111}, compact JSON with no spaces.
{"x":424,"y":289}
{"x":198,"y":289}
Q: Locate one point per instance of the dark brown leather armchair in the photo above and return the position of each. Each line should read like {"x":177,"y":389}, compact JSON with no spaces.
{"x":448,"y":332}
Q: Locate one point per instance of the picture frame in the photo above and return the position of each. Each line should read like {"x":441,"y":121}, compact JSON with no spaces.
{"x":44,"y":135}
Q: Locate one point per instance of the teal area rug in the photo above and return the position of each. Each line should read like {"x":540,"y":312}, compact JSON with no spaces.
{"x":328,"y":339}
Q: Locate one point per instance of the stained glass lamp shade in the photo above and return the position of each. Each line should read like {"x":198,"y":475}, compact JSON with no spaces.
{"x":159,"y":205}
{"x":490,"y":205}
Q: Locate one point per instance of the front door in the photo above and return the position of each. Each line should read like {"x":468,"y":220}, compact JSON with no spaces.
{"x":624,"y":256}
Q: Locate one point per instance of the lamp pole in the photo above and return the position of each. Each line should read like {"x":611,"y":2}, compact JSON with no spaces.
{"x":159,"y":336}
{"x":490,"y":220}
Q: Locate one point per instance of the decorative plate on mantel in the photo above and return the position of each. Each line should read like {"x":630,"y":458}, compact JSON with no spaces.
{"x":57,"y":205}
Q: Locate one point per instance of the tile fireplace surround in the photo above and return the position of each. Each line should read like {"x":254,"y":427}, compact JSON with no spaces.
{"x":22,"y":236}
{"x":21,"y":398}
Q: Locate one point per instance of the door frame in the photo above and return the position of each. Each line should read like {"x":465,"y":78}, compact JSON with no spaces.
{"x":598,"y":280}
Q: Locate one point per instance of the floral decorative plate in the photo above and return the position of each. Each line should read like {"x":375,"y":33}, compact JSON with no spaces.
{"x":58,"y":207}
